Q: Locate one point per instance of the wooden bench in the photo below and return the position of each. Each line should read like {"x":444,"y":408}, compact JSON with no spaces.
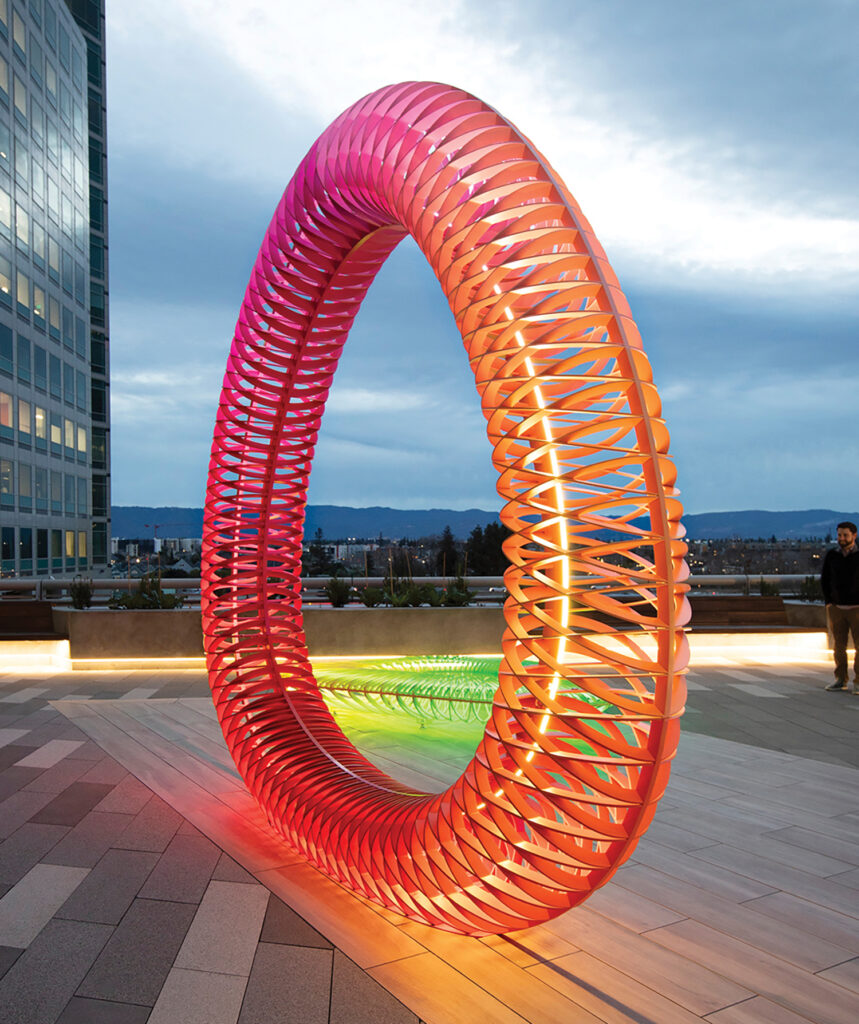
{"x":733,"y":612}
{"x":22,"y":619}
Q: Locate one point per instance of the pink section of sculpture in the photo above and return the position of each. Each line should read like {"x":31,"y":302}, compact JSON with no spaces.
{"x":583,"y":726}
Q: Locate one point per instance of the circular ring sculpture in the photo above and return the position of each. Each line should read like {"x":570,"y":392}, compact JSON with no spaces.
{"x":578,"y":743}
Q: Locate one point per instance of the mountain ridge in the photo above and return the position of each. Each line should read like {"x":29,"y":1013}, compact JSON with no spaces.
{"x":339,"y":522}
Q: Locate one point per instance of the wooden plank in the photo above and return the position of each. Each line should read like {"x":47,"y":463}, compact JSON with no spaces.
{"x":797,"y":990}
{"x":758,"y":1011}
{"x":610,"y":994}
{"x":840,"y":928}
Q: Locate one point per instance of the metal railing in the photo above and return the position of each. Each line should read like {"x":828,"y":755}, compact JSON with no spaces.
{"x":487,"y":589}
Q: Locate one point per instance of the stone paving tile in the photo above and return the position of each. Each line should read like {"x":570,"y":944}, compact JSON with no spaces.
{"x":43,"y":979}
{"x":224,"y":933}
{"x":101,"y":1011}
{"x":105,"y":770}
{"x":25,"y":848}
{"x":89,"y":840}
{"x":14,"y":779}
{"x":14,"y":752}
{"x":197,"y":997}
{"x":11,"y":736}
{"x":59,"y":777}
{"x":32,"y":902}
{"x":88,"y":751}
{"x":8,"y":956}
{"x":136,"y":961}
{"x":108,"y":890}
{"x":72,"y":804}
{"x":283,"y":925}
{"x":356,"y":998}
{"x":22,"y":696}
{"x":129,"y":796}
{"x":183,"y":871}
{"x":227,"y":870}
{"x":152,"y":828}
{"x":288,"y":984}
{"x":19,"y":808}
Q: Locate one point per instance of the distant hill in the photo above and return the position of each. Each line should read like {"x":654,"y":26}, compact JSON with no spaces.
{"x":338,"y":522}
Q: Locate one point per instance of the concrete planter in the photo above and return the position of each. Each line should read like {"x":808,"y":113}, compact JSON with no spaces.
{"x":108,"y":635}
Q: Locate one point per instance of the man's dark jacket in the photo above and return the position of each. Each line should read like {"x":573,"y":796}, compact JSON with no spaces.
{"x":840,"y":577}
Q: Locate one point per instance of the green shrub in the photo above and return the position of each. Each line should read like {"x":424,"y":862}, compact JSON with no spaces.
{"x":810,"y":589}
{"x":769,"y":589}
{"x":457,"y":594}
{"x":80,"y":591}
{"x":371,"y":596}
{"x":338,"y":591}
{"x":148,"y":595}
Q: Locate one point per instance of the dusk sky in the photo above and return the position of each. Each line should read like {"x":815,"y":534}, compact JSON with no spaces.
{"x":713,"y":147}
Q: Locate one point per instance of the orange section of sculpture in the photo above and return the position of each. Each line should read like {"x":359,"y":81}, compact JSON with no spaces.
{"x":584,"y":724}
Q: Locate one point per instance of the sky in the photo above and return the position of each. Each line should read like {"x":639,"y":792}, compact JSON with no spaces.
{"x":713,"y":147}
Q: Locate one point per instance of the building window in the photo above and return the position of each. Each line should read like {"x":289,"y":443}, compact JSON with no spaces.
{"x":99,"y":497}
{"x":25,"y":549}
{"x":51,"y":82}
{"x":52,"y":139}
{"x":41,"y":550}
{"x":80,"y":283}
{"x":22,"y":228}
{"x":5,"y":282}
{"x":40,"y":368}
{"x":7,"y":486}
{"x":6,"y":416}
{"x":56,"y":491}
{"x":5,"y":147}
{"x":80,"y":337}
{"x":41,"y":424}
{"x":99,"y":447}
{"x":22,"y":162}
{"x":80,"y":390}
{"x":96,"y":303}
{"x":82,"y":545}
{"x":96,"y":208}
{"x":68,"y":329}
{"x":39,"y":245}
{"x":68,"y":273}
{"x":99,"y":543}
{"x":83,"y":484}
{"x":37,"y":61}
{"x":6,"y":347}
{"x":19,"y":36}
{"x":70,"y":492}
{"x":50,"y":26}
{"x":5,"y":212}
{"x":70,"y":544}
{"x":65,"y":48}
{"x":23,"y":293}
{"x":82,"y":444}
{"x":56,"y":549}
{"x":24,"y":368}
{"x":56,"y":435}
{"x":7,"y":549}
{"x":53,"y":318}
{"x":54,"y":265}
{"x":25,"y":422}
{"x":19,"y":91}
{"x":99,"y":400}
{"x":25,"y":487}
{"x":4,"y":78}
{"x":53,"y":200}
{"x":41,"y":489}
{"x":68,"y":384}
{"x":69,"y":437}
{"x":39,"y":306}
{"x":37,"y":181}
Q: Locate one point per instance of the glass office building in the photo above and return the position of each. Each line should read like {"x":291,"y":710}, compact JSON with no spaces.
{"x":53,"y":409}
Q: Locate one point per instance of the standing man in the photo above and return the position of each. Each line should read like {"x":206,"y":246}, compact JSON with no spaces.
{"x":840,"y":582}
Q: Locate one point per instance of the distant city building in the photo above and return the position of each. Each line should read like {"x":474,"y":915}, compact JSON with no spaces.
{"x":53,"y":376}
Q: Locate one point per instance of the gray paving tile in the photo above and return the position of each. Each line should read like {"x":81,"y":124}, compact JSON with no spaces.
{"x":108,"y":890}
{"x":224,"y":933}
{"x":49,"y":754}
{"x":356,"y":998}
{"x":43,"y":979}
{"x":284,"y":926}
{"x":12,"y":780}
{"x":129,"y":796}
{"x":8,"y":956}
{"x":289,"y":984}
{"x":14,"y":752}
{"x":183,"y":870}
{"x":152,"y":828}
{"x":21,"y":696}
{"x":25,"y":848}
{"x":100,"y":1011}
{"x":74,"y":803}
{"x":19,"y":808}
{"x":136,"y":961}
{"x":197,"y":997}
{"x":105,"y":770}
{"x":89,"y":840}
{"x":57,"y":778}
{"x":32,"y":902}
{"x":227,"y":870}
{"x":11,"y":735}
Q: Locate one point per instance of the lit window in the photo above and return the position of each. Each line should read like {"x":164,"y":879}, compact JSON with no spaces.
{"x":24,"y":418}
{"x":19,"y":33}
{"x":39,"y":305}
{"x":5,"y":410}
{"x":70,"y":543}
{"x":7,"y":490}
{"x":69,"y":431}
{"x":82,"y":544}
{"x":23,"y":294}
{"x":56,"y":431}
{"x":41,"y":419}
{"x":82,"y":440}
{"x":5,"y":210}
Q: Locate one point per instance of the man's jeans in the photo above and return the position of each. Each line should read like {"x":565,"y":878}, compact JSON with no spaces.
{"x":842,"y":621}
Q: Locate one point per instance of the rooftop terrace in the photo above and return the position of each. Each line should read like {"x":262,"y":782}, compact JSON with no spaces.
{"x":138,"y":881}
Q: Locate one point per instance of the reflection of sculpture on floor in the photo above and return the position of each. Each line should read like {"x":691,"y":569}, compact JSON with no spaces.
{"x":839,"y":580}
{"x":584,"y":721}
